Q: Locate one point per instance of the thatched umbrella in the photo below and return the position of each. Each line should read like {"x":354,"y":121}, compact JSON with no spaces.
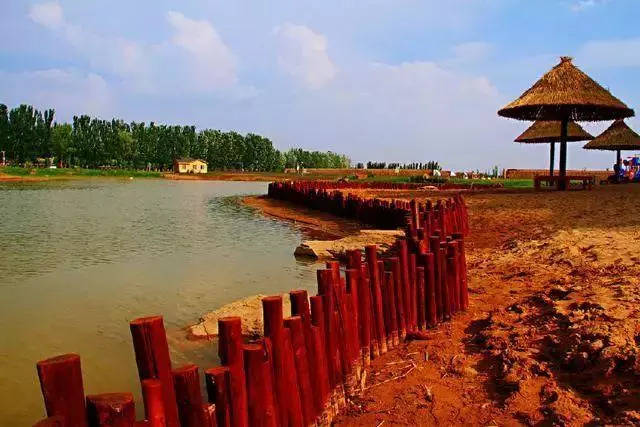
{"x":617,"y":137}
{"x":545,"y":131}
{"x":565,"y":93}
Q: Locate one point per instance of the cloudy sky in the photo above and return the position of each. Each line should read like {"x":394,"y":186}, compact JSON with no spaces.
{"x":387,"y":80}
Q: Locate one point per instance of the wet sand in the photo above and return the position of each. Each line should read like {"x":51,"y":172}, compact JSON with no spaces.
{"x":552,"y":333}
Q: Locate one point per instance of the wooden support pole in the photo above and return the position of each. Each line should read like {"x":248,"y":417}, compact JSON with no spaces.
{"x":152,"y":357}
{"x":218,"y":383}
{"x":420,"y":284}
{"x":262,"y":407}
{"x":284,"y":370}
{"x":364,"y":316}
{"x":231,"y":354}
{"x":562,"y":184}
{"x":111,"y":410}
{"x":396,"y":269}
{"x":444,"y":284}
{"x":319,"y":355}
{"x":452,"y":276}
{"x":413,"y":291}
{"x":55,"y":421}
{"x":376,"y":292}
{"x":186,"y":382}
{"x":294,"y":325}
{"x":405,"y":279}
{"x":430,"y":290}
{"x":153,"y":403}
{"x":326,"y":290}
{"x":62,"y":388}
{"x":435,"y":248}
{"x":392,"y":330}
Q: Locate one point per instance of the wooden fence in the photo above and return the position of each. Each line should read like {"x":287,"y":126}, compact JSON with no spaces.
{"x":305,"y":367}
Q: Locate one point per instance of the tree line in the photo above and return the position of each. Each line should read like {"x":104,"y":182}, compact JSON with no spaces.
{"x":27,"y":134}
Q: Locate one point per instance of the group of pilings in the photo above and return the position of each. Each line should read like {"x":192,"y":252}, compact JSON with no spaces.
{"x":306,"y":365}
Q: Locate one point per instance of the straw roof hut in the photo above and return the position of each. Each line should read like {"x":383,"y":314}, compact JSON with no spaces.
{"x":544,"y":131}
{"x":548,"y":132}
{"x":619,"y":136}
{"x":566,"y":93}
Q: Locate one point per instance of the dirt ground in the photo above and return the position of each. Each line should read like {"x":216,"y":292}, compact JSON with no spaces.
{"x":553,"y":331}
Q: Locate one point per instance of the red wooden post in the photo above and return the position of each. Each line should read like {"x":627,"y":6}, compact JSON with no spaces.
{"x":452,"y":275}
{"x":218,"y":384}
{"x":403,"y":256}
{"x":413,"y":292}
{"x":392,"y":331}
{"x":284,"y":369}
{"x":210,"y":417}
{"x":231,"y":353}
{"x":327,"y":290}
{"x":300,"y":307}
{"x":444,"y":284}
{"x":111,"y":410}
{"x":62,"y":389}
{"x":430,"y":290}
{"x":152,"y":357}
{"x":262,"y":409}
{"x":55,"y":421}
{"x":319,"y":354}
{"x":420,"y":282}
{"x":396,"y":269}
{"x":352,"y":276}
{"x":153,"y":403}
{"x":435,"y":245}
{"x":294,"y":324}
{"x":364,"y":316}
{"x":378,"y":316}
{"x":186,"y":382}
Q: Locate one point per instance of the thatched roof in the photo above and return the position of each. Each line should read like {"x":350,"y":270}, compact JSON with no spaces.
{"x":545,"y":131}
{"x":618,"y":136}
{"x":565,"y":91}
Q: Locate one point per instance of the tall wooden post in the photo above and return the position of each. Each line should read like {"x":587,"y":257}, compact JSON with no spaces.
{"x":552,"y":157}
{"x":562,"y":184}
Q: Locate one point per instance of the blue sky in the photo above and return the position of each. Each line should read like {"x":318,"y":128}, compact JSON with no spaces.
{"x":392,"y":80}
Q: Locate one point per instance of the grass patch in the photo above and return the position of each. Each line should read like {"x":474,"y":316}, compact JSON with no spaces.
{"x":73,"y":172}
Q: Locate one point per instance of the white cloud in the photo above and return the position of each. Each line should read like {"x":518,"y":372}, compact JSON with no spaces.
{"x":48,"y":14}
{"x":214,"y":64}
{"x":303,"y":54}
{"x":195,"y":60}
{"x":581,"y":5}
{"x":611,"y":53}
{"x":68,"y":91}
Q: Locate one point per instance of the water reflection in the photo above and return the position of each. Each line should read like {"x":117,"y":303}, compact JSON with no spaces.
{"x":79,"y":259}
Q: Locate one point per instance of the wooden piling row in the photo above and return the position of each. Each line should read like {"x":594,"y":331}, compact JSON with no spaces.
{"x":305,"y":367}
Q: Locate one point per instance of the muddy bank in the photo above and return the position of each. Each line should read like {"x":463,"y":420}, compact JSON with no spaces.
{"x":552,"y":333}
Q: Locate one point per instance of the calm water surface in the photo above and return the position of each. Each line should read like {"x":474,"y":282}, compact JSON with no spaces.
{"x":80,"y":259}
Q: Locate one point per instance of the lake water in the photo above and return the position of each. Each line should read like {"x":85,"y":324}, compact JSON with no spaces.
{"x":80,"y":259}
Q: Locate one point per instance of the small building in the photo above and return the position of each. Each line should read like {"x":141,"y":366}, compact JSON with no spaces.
{"x":187,"y":165}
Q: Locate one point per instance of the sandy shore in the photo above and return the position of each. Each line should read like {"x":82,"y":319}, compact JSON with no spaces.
{"x":552,"y":333}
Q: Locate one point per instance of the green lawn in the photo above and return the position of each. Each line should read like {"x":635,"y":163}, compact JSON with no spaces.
{"x":73,"y":172}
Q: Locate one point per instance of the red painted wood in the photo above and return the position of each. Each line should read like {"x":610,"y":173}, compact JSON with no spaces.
{"x":111,"y":410}
{"x":430,"y":290}
{"x":262,"y":409}
{"x":376,"y":293}
{"x":405,"y":283}
{"x":55,"y":421}
{"x":420,"y":296}
{"x":296,"y":328}
{"x":153,"y":403}
{"x":152,"y":357}
{"x":231,"y":355}
{"x":284,"y":370}
{"x":218,"y":384}
{"x":186,"y":382}
{"x":326,"y":290}
{"x":364,"y":314}
{"x":62,"y":388}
